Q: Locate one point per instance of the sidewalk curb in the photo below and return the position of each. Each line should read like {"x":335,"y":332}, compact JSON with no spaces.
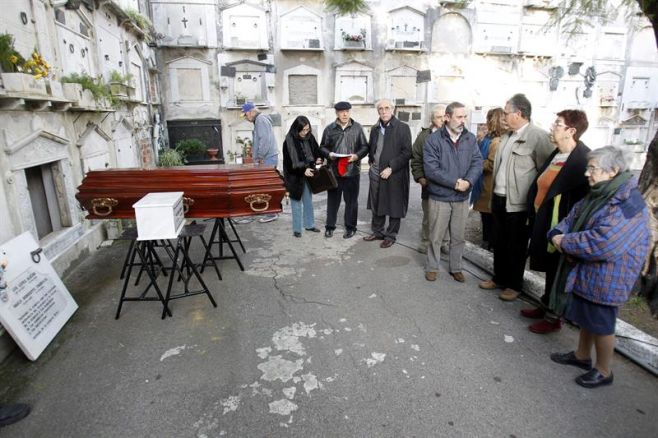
{"x":633,"y":343}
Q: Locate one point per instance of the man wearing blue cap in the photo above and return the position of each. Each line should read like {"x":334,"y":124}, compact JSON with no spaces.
{"x":344,"y":144}
{"x":264,"y":150}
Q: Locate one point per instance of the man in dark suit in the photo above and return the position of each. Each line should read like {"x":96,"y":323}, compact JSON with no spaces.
{"x":389,"y":155}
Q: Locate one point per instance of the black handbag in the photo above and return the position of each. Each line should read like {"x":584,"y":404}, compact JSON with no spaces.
{"x":322,"y":179}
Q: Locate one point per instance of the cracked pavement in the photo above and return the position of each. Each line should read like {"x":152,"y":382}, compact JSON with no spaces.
{"x":318,"y":337}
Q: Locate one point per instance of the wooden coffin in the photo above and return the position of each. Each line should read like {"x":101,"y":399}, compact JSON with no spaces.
{"x":214,"y":190}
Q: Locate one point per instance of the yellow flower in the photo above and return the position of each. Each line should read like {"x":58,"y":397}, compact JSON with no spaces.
{"x":13,"y":59}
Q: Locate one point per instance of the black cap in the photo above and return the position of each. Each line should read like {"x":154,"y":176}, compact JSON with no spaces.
{"x":341,"y":106}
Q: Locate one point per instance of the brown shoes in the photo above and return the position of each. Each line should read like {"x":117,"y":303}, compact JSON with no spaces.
{"x":387,"y":243}
{"x":458,"y":276}
{"x":371,"y":237}
{"x":431,"y":276}
{"x":488,"y":285}
{"x":509,"y":294}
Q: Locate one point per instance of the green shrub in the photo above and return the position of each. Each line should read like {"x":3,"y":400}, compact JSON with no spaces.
{"x":170,"y":158}
{"x":190,"y":146}
{"x":98,"y":88}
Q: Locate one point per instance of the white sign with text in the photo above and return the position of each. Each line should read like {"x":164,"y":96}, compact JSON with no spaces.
{"x":34,"y":303}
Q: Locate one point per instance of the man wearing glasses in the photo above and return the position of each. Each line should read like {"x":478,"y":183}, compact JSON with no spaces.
{"x":519,"y":157}
{"x":389,"y":155}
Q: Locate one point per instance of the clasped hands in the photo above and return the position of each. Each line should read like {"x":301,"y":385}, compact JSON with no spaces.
{"x":462,"y":185}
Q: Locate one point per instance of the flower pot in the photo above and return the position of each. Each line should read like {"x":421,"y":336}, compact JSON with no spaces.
{"x":212,"y":153}
{"x":72,"y":92}
{"x":118,"y":89}
{"x":240,"y":101}
{"x":349,"y":44}
{"x":23,"y":83}
{"x":54,"y":88}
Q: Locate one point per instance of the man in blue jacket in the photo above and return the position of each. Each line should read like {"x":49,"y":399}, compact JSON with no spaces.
{"x":265,"y":150}
{"x":452,"y":163}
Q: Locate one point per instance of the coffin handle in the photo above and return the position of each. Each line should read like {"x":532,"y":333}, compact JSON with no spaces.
{"x":187,"y":203}
{"x":258,"y":199}
{"x":103,"y":206}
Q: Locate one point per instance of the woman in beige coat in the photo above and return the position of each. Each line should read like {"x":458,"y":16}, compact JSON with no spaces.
{"x":481,"y":194}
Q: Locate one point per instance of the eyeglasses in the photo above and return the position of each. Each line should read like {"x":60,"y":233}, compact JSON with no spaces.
{"x":560,"y":125}
{"x":591,"y":169}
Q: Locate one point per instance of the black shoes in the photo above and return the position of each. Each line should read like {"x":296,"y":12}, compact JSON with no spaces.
{"x":329,"y":233}
{"x":313,"y":229}
{"x":10,"y":414}
{"x":571,"y":359}
{"x":593,"y":378}
{"x":297,"y":234}
{"x":349,"y":234}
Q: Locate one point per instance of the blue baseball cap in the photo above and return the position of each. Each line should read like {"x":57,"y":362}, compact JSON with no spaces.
{"x":248,"y":107}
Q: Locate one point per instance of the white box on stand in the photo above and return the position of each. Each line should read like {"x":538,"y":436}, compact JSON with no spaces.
{"x":159,"y":216}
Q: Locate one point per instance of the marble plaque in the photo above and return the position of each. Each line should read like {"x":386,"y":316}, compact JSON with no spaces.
{"x":34,"y":303}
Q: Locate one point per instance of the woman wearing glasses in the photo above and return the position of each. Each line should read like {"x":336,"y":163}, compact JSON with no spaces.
{"x":603,"y":244}
{"x":300,"y":152}
{"x":560,"y":183}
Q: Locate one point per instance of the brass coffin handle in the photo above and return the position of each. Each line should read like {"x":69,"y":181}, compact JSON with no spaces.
{"x":103,"y":206}
{"x":254,"y":200}
{"x":187,"y":203}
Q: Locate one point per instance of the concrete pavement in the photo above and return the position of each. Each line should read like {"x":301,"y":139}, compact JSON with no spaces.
{"x":318,"y":337}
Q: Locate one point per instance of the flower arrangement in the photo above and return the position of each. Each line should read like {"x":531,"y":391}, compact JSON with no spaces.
{"x":354,"y":37}
{"x":12,"y":62}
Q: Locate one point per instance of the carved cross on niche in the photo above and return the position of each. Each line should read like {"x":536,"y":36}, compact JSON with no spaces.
{"x":184,"y":21}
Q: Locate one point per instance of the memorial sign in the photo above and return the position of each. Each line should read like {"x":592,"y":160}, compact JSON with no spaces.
{"x":34,"y":303}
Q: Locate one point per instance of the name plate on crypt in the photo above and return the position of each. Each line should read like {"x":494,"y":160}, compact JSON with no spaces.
{"x":34,"y":303}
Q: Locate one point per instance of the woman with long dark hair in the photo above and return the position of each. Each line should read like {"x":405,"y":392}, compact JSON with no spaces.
{"x":300,"y":152}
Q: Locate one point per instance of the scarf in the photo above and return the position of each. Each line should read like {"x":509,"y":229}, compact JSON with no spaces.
{"x":292,"y":142}
{"x":597,"y":198}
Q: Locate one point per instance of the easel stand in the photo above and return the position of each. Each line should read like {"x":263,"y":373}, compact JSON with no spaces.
{"x":149,"y":261}
{"x":220,"y":237}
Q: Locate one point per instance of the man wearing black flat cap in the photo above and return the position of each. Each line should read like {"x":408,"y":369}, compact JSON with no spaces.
{"x":344,"y":145}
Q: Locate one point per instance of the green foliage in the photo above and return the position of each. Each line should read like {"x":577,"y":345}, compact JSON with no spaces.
{"x":116,"y":76}
{"x":170,"y":158}
{"x":190,"y":146}
{"x":9,"y":57}
{"x":345,"y":7}
{"x":99,"y":89}
{"x":141,"y":21}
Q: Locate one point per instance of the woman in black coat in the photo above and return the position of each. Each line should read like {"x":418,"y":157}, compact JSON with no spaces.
{"x":560,"y":183}
{"x":300,"y":152}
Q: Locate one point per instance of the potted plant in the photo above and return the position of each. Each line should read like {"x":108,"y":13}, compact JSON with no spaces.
{"x":246,"y":151}
{"x":118,"y":85}
{"x":20,"y":75}
{"x":170,"y":158}
{"x":354,"y":40}
{"x":86,"y":90}
{"x":240,"y":99}
{"x":192,"y":149}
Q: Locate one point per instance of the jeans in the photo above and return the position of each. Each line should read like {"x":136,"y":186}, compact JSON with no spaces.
{"x":302,"y":210}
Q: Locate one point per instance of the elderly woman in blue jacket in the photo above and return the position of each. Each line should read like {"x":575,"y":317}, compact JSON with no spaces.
{"x":603,"y":243}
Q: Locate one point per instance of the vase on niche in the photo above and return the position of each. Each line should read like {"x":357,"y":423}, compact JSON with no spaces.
{"x":212,"y":153}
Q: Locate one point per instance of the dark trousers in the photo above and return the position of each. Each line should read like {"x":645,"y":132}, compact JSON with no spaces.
{"x":348,"y":188}
{"x":510,"y":244}
{"x":380,"y":230}
{"x":551,"y":270}
{"x":487,"y":227}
